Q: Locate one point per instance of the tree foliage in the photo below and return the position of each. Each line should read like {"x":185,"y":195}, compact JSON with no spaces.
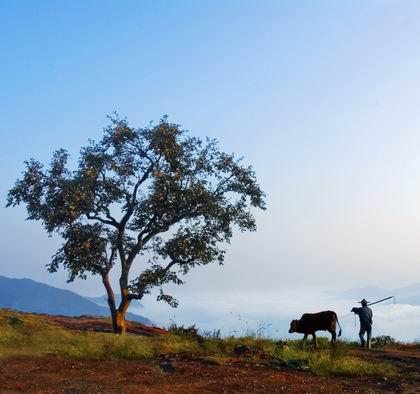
{"x":153,"y":192}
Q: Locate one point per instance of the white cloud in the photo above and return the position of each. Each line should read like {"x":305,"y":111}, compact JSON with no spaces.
{"x":272,"y":312}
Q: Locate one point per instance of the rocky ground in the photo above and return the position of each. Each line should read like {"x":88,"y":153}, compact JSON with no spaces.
{"x":173,"y":375}
{"x":191,"y":374}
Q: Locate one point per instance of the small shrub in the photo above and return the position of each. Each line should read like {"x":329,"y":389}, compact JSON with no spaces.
{"x":214,"y":334}
{"x":189,"y":332}
{"x":243,"y":350}
{"x":14,"y":321}
{"x":382,"y":341}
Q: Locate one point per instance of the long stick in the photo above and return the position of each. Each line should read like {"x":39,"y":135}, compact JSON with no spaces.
{"x":384,"y":299}
{"x":371,"y":303}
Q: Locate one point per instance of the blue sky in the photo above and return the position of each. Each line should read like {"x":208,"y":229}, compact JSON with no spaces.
{"x":321,"y":97}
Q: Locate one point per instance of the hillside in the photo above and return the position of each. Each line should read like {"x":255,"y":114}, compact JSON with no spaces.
{"x":27,"y":295}
{"x":41,"y":353}
{"x":102,"y":300}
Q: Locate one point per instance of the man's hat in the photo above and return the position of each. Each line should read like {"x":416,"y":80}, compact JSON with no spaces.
{"x":363,"y":302}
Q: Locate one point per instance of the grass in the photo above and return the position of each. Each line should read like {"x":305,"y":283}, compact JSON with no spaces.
{"x":334,"y":362}
{"x":31,"y":335}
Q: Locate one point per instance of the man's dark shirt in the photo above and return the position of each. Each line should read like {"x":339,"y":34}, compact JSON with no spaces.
{"x":365,"y":315}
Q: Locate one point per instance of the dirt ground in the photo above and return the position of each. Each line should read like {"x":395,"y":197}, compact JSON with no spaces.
{"x":192,"y":375}
{"x":170,"y":375}
{"x":97,"y":324}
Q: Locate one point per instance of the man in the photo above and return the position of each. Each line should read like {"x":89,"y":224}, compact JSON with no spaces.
{"x":365,"y":316}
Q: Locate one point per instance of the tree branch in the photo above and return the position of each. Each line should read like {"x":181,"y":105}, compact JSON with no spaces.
{"x":143,"y":241}
{"x":131,"y":201}
{"x":135,"y":296}
{"x":162,"y":273}
{"x":142,"y":153}
{"x":111,"y":299}
{"x":224,"y":181}
{"x":102,"y":220}
{"x":112,"y":257}
{"x":120,"y":245}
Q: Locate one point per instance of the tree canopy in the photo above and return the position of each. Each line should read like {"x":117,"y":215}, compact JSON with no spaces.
{"x":151,"y":196}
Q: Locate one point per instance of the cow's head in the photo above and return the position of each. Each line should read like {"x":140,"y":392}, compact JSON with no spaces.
{"x":293,"y":326}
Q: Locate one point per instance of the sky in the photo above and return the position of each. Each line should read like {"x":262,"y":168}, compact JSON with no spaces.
{"x":321,"y":98}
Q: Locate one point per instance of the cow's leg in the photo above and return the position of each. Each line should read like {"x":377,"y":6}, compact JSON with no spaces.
{"x":333,"y":330}
{"x":333,"y":336}
{"x":304,"y":340}
{"x":314,"y":340}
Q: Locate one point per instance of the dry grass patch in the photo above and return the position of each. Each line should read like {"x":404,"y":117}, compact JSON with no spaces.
{"x":30,"y":334}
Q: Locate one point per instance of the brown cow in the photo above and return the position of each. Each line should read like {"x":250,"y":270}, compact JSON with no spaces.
{"x":311,"y":322}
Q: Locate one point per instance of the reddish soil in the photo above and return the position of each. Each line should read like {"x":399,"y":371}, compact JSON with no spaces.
{"x":174,"y":375}
{"x":105,"y":376}
{"x":192,"y":375}
{"x":89,"y":323}
{"x":404,"y":357}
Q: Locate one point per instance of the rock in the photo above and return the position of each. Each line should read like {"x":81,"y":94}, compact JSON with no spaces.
{"x":167,"y":367}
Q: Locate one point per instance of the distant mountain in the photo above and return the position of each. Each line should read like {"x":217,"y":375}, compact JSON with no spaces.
{"x":26,"y":295}
{"x":103,"y":300}
{"x":408,"y":295}
{"x":357,"y":293}
{"x":403,"y":295}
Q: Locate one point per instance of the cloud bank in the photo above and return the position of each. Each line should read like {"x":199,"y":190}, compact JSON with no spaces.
{"x":270,"y":314}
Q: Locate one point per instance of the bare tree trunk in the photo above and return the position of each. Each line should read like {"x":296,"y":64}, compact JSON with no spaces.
{"x":125,"y":302}
{"x":120,"y":316}
{"x":111,"y":302}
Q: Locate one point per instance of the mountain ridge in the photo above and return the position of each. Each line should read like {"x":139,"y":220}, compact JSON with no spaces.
{"x":102,"y":300}
{"x":403,"y":295}
{"x":27,"y":295}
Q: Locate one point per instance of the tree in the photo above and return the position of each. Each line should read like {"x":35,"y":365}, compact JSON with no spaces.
{"x":153,"y":196}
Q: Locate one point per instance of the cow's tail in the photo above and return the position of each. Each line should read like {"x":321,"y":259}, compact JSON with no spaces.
{"x":336,"y":319}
